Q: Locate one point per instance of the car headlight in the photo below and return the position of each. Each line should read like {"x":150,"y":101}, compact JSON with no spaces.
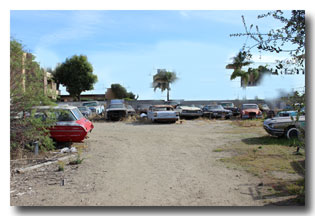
{"x":271,"y":125}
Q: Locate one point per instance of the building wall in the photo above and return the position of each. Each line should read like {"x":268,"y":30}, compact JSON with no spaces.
{"x":50,"y":87}
{"x":96,"y":97}
{"x":23,"y":76}
{"x":274,"y":104}
{"x":109,"y":95}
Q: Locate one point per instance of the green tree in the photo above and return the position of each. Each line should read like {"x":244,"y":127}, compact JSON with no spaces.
{"x":290,"y":39}
{"x":163,"y":80}
{"x":76,"y":74}
{"x":26,"y":91}
{"x":120,"y":92}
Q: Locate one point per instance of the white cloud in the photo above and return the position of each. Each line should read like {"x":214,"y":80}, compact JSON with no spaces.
{"x":78,"y":25}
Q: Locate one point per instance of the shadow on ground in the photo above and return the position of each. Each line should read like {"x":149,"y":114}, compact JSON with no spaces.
{"x":269,"y":140}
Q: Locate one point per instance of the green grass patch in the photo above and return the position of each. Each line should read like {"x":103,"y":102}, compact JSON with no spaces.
{"x":269,"y":140}
{"x":249,"y":123}
{"x":218,"y":150}
{"x":270,"y":158}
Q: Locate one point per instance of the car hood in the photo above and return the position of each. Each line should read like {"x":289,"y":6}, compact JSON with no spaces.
{"x":190,"y":108}
{"x":251,"y":110}
{"x":229,"y":107}
{"x":116,"y":109}
{"x":218,"y":110}
{"x":283,"y":119}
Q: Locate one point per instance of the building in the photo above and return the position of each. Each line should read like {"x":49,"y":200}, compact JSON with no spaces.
{"x":84,"y":97}
{"x":50,"y":86}
{"x":109,"y":95}
{"x":20,"y":76}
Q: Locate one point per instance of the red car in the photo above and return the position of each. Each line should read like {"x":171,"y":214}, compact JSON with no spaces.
{"x":71,"y":125}
{"x":250,"y":111}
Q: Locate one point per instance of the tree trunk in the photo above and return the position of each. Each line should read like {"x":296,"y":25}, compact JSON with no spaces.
{"x":168,"y":94}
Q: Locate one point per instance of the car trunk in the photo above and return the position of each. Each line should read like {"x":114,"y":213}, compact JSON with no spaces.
{"x":166,"y":114}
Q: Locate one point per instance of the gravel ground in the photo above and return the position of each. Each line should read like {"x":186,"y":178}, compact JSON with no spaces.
{"x":143,"y":164}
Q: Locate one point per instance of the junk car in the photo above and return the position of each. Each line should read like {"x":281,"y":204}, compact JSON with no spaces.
{"x":250,"y":111}
{"x":188,"y":111}
{"x":71,"y":125}
{"x":162,"y":113}
{"x":216,"y":111}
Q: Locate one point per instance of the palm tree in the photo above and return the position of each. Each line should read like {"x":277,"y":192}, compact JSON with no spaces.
{"x":163,"y":79}
{"x":239,"y":61}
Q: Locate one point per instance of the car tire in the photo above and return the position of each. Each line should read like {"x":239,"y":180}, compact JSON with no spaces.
{"x":292,"y":133}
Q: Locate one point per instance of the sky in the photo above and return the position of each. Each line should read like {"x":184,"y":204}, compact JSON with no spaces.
{"x":128,"y":46}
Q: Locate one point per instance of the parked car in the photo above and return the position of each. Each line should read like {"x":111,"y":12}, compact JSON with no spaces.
{"x":188,"y":111}
{"x":86,"y":112}
{"x":131,"y":111}
{"x":286,"y":113}
{"x":172,"y":103}
{"x":95,"y":107}
{"x":285,"y":126}
{"x":116,"y":111}
{"x":162,"y":113}
{"x":143,"y":108}
{"x":250,"y":111}
{"x":264,"y":108}
{"x":230,"y":106}
{"x":216,"y":111}
{"x":71,"y":125}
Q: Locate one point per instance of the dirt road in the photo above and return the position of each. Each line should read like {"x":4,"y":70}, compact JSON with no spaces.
{"x":141,"y":164}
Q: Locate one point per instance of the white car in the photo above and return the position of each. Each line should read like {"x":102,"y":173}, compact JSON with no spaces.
{"x":188,"y":111}
{"x":95,"y":107}
{"x":162,"y":113}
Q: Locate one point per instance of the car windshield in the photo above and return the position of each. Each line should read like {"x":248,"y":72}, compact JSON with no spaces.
{"x":116,"y":106}
{"x":83,"y":108}
{"x":144,"y":106}
{"x":77,"y":113}
{"x":227,"y":104}
{"x":65,"y":115}
{"x":129,"y":107}
{"x":215,"y":107}
{"x":286,"y":114}
{"x":90,"y":104}
{"x":162,"y":108}
{"x":250,"y":106}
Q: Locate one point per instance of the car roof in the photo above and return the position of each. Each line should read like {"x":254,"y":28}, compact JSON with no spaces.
{"x":162,"y":106}
{"x":55,"y":107}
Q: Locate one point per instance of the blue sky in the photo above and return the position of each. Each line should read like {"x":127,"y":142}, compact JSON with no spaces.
{"x":127,"y":47}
